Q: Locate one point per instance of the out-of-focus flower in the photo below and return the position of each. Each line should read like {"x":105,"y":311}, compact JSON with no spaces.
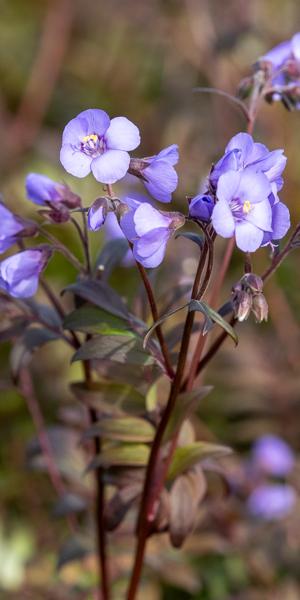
{"x":243,"y":208}
{"x":19,"y":274}
{"x":201,"y":207}
{"x":149,"y":230}
{"x":271,"y":501}
{"x":13,"y":227}
{"x":44,"y":191}
{"x":97,"y":214}
{"x":281,"y":66}
{"x":158,"y":173}
{"x":273,"y":456}
{"x":113,"y":231}
{"x":93,"y":142}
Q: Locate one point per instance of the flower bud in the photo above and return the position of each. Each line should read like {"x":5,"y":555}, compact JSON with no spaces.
{"x":242,"y":304}
{"x":97,"y":214}
{"x":253,"y":282}
{"x":260,"y":308}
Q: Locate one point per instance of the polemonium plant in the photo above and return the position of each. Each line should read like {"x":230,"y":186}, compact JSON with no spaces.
{"x":140,"y":391}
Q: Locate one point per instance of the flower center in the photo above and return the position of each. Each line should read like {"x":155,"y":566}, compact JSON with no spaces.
{"x":240,"y":209}
{"x":247,"y":207}
{"x":93,"y":145}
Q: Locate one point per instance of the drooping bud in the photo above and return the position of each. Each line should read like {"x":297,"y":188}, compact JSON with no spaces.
{"x":97,"y":214}
{"x":242,"y":304}
{"x":260,"y":308}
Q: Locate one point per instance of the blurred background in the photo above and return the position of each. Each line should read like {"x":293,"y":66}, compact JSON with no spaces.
{"x":143,"y":59}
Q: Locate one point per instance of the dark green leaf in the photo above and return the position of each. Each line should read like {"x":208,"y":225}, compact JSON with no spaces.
{"x":110,"y":398}
{"x":186,"y":404}
{"x":100,"y":294}
{"x":122,"y":429}
{"x":212,"y":316}
{"x":69,"y":504}
{"x":193,"y":237}
{"x":160,"y":321}
{"x":118,"y":348}
{"x":111,"y":255}
{"x":187,"y":456}
{"x":91,"y":319}
{"x":74,"y":549}
{"x":123,"y":455}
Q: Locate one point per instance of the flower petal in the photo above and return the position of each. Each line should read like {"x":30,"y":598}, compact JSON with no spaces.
{"x":254,"y":187}
{"x":222,"y":219}
{"x":295,"y":43}
{"x":261,"y":215}
{"x":146,"y":218}
{"x":242,"y":142}
{"x":111,"y":166}
{"x":248,"y":237}
{"x":122,"y":134}
{"x":228,"y":185}
{"x":279,"y":54}
{"x":170,"y":154}
{"x":41,"y":189}
{"x":280,"y":221}
{"x":74,"y":161}
{"x":150,"y":249}
{"x":162,"y":180}
{"x":87,"y":122}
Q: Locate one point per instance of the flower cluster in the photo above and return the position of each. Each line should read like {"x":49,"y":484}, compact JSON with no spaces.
{"x":247,"y":297}
{"x":242,"y":195}
{"x":282,"y":71}
{"x":271,"y":457}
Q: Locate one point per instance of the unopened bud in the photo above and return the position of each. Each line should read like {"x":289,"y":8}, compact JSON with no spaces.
{"x":260,"y":308}
{"x":97,"y":214}
{"x":242,"y":304}
{"x":253,"y":282}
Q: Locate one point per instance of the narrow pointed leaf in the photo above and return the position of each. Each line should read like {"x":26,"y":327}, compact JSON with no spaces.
{"x":193,"y":237}
{"x":186,"y":404}
{"x":160,"y":321}
{"x":91,"y":319}
{"x":100,"y":294}
{"x":187,"y":456}
{"x":111,"y":255}
{"x":212,"y":316}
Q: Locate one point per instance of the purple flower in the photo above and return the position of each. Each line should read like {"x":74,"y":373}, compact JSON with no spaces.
{"x":280,"y":220}
{"x":282,"y":65}
{"x":271,"y":501}
{"x":243,"y":208}
{"x":273,"y":456}
{"x":19,"y":274}
{"x":201,"y":207}
{"x":242,"y":152}
{"x":44,"y":191}
{"x":113,"y":231}
{"x":12,"y":227}
{"x":93,"y":142}
{"x":97,"y":214}
{"x":149,"y":230}
{"x":158,"y":173}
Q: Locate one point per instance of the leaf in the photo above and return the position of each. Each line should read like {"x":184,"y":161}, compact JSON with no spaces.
{"x":193,"y":237}
{"x":118,"y":348}
{"x":186,"y":403}
{"x":100,"y":294}
{"x":91,"y":319}
{"x":110,"y":398}
{"x":186,"y":494}
{"x":122,"y":429}
{"x":33,"y":338}
{"x":160,"y":321}
{"x":187,"y":456}
{"x":46,"y":313}
{"x":75,"y":548}
{"x":117,"y":507}
{"x":111,"y":255}
{"x":124,"y":455}
{"x":212,"y":316}
{"x":68,"y":504}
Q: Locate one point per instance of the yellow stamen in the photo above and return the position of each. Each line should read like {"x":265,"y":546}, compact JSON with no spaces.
{"x":91,"y":137}
{"x":247,"y":207}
